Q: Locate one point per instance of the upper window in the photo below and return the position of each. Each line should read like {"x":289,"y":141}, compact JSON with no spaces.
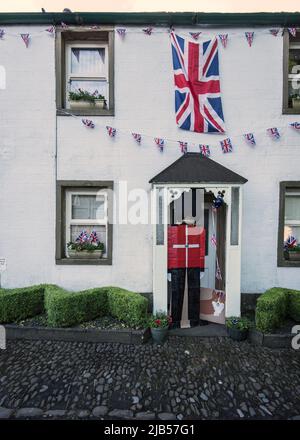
{"x":291,"y":89}
{"x":85,"y":72}
{"x":289,"y":224}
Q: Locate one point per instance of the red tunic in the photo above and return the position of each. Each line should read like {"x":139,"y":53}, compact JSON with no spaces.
{"x":186,"y":247}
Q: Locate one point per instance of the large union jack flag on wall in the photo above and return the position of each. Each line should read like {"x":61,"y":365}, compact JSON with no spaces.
{"x":198,"y":102}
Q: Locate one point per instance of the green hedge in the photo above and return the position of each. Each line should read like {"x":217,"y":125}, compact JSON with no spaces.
{"x":274,"y":306}
{"x":65,"y":309}
{"x":127,"y":306}
{"x":22,"y":303}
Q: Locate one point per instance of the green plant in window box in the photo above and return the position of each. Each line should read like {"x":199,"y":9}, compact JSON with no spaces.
{"x":238,"y":328}
{"x":86,"y":246}
{"x":293,"y":253}
{"x":80,"y":99}
{"x":296,"y":101}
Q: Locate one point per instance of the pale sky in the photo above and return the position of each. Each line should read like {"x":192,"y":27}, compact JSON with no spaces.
{"x":151,"y":5}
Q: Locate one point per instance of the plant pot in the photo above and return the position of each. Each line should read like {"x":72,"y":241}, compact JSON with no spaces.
{"x":159,"y":334}
{"x":83,"y":105}
{"x":236,"y":334}
{"x":294,"y":256}
{"x":85,"y":254}
{"x":296,"y":103}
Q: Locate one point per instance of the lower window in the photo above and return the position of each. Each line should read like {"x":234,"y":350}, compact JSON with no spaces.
{"x":84,"y":232}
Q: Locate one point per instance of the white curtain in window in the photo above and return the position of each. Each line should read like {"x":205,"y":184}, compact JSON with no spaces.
{"x":292,"y":207}
{"x":88,"y":61}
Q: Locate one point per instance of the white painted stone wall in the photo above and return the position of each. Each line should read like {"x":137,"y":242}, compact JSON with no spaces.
{"x":251,"y":80}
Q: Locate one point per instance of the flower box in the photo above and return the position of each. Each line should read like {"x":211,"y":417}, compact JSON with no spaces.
{"x":87,"y":255}
{"x":293,"y":256}
{"x":84,"y":105}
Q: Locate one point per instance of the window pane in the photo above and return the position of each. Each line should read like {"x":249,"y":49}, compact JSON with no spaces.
{"x":100,"y":230}
{"x":294,"y":92}
{"x":160,"y":217}
{"x":88,"y":61}
{"x":90,"y":86}
{"x":87,"y":207}
{"x":235,"y":207}
{"x":294,"y":59}
{"x":292,"y":207}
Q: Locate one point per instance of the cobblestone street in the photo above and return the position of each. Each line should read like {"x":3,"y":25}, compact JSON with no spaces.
{"x":187,"y":378}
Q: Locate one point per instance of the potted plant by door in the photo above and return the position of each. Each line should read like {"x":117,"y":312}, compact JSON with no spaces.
{"x":237,"y":328}
{"x":85,"y":246}
{"x":159,"y":325}
{"x":82,"y":99}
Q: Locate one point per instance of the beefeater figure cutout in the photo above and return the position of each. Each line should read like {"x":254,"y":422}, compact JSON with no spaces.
{"x":186,"y":259}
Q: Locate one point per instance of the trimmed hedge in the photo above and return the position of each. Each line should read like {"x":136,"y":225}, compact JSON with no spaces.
{"x":127,"y":306}
{"x":274,"y":306}
{"x":65,"y":308}
{"x":22,"y":303}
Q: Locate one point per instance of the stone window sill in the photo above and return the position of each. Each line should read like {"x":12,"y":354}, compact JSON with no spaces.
{"x":82,"y":262}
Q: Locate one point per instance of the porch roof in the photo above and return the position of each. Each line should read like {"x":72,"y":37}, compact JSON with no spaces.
{"x":196,"y":168}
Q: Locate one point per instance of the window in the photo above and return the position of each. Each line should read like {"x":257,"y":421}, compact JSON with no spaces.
{"x":84,"y":210}
{"x":84,"y":64}
{"x":291,"y":86}
{"x":289,"y":224}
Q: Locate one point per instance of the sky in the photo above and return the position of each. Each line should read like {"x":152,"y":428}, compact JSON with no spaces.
{"x":151,"y":5}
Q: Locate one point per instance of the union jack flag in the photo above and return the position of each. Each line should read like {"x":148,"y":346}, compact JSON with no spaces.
{"x":137,"y":137}
{"x":82,"y":237}
{"x":213,"y":240}
{"x":274,"y":133}
{"x":183,"y":147}
{"x":88,"y":123}
{"x":295,"y":125}
{"x":121,"y":32}
{"x":160,"y":143}
{"x":226,"y":145}
{"x":292,"y":31}
{"x":249,"y":37}
{"x":204,"y":150}
{"x":195,"y":35}
{"x":148,"y":30}
{"x":224,"y":40}
{"x":2,"y":32}
{"x":290,"y":242}
{"x":111,"y":131}
{"x":249,"y":138}
{"x":94,"y":237}
{"x":50,"y":30}
{"x":274,"y":32}
{"x":198,"y":102}
{"x":26,"y":39}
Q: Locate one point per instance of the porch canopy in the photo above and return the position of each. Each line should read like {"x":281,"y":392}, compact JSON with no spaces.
{"x":196,"y":168}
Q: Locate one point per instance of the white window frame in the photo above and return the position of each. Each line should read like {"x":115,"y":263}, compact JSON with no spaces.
{"x":86,"y":222}
{"x":81,"y":76}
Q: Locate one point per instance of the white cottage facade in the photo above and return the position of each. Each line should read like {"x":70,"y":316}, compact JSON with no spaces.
{"x":49,"y":160}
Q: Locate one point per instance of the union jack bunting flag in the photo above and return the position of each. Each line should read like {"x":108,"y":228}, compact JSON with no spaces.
{"x":249,"y":138}
{"x":111,"y":131}
{"x":195,"y":35}
{"x":292,"y":31}
{"x":218,"y":271}
{"x":274,"y":32}
{"x":2,"y":33}
{"x":121,"y":32}
{"x":249,"y":37}
{"x":50,"y":30}
{"x":295,"y":125}
{"x":94,"y":237}
{"x":213,"y":240}
{"x":198,"y":102}
{"x":204,"y":150}
{"x":290,"y":242}
{"x":88,"y":123}
{"x":160,"y":143}
{"x":226,"y":145}
{"x":183,"y":147}
{"x":274,"y":133}
{"x":224,"y":40}
{"x":82,"y":237}
{"x":26,"y":39}
{"x":137,"y":137}
{"x":148,"y":30}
